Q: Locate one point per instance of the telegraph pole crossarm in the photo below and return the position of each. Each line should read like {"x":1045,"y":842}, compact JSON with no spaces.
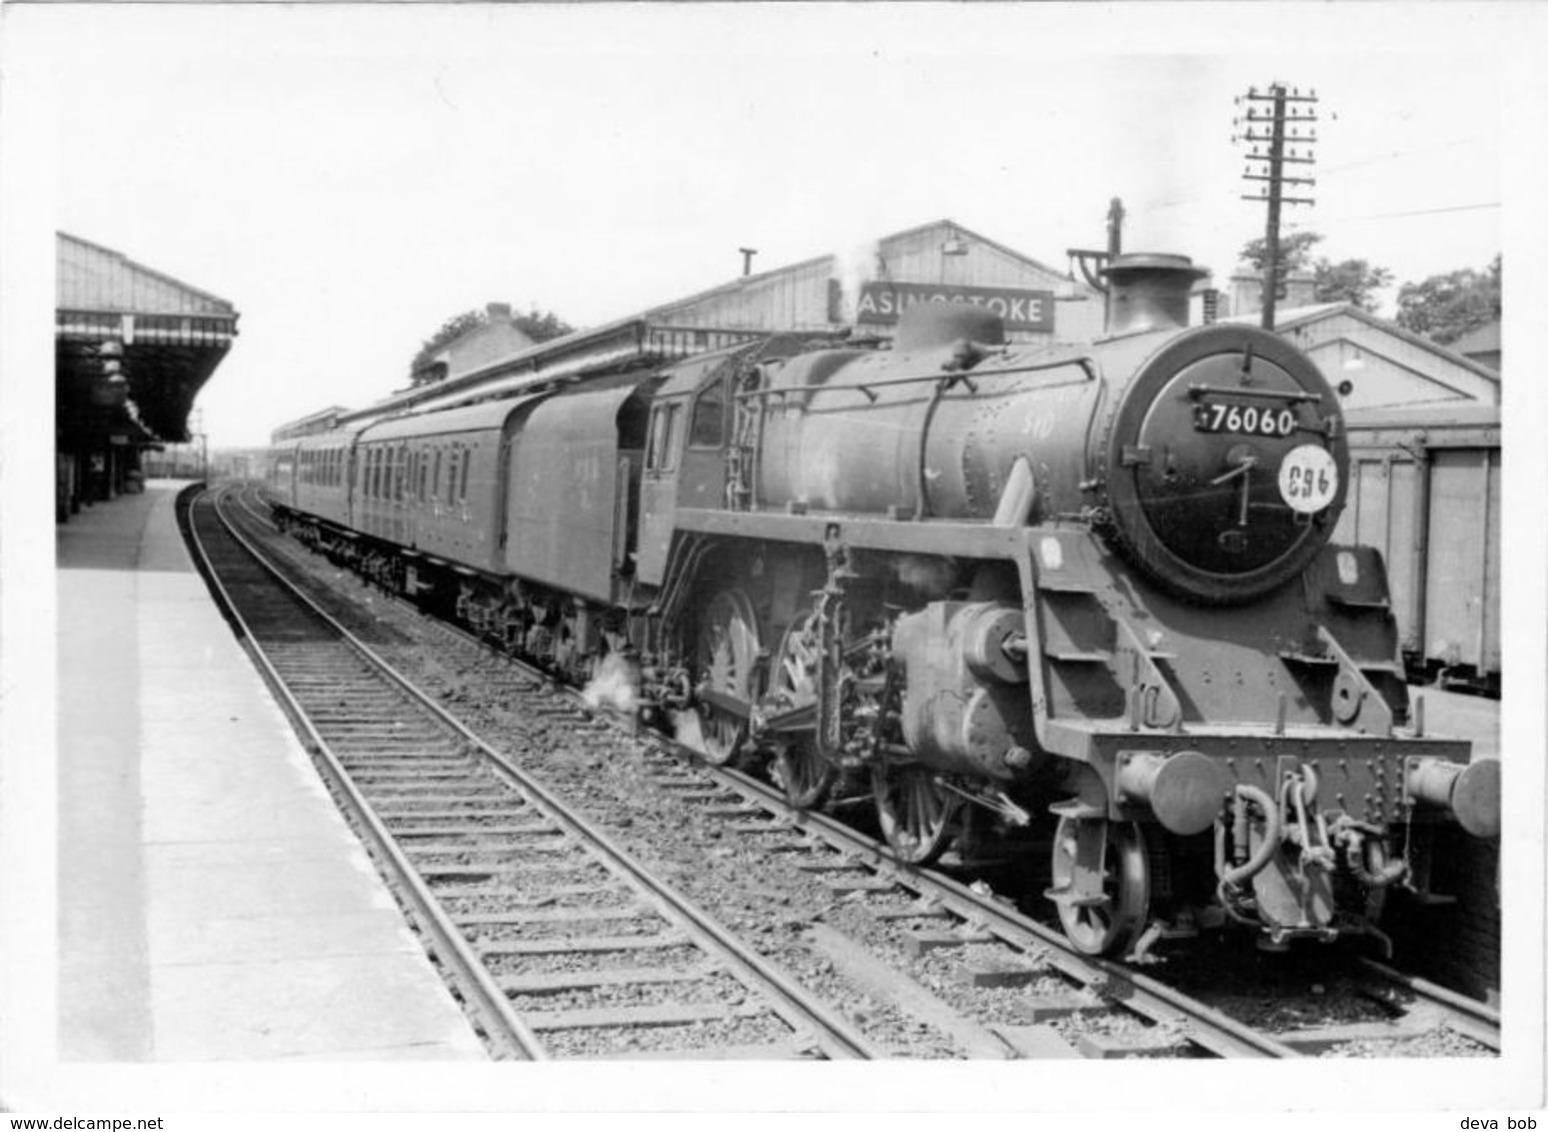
{"x":1286,"y":106}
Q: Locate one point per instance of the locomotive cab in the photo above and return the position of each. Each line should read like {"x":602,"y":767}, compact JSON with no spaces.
{"x":685,"y":463}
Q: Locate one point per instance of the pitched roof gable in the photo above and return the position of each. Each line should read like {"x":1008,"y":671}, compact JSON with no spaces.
{"x":1304,"y":316}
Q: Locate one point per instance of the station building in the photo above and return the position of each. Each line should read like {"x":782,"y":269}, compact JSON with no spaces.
{"x":497,"y":337}
{"x":869,"y":286}
{"x":1373,"y":362}
{"x":1482,"y":345}
{"x":132,"y":348}
{"x":859,"y":292}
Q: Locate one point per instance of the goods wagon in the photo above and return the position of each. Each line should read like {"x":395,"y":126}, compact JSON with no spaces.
{"x":1425,"y":491}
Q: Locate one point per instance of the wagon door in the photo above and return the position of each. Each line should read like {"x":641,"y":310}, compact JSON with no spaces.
{"x":1464,"y":572}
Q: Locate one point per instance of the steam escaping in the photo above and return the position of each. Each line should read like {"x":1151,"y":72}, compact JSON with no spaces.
{"x":853,"y":266}
{"x":615,"y":686}
{"x":928,"y":575}
{"x":687,"y":731}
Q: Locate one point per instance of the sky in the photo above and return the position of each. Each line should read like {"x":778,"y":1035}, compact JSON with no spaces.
{"x":350,"y":177}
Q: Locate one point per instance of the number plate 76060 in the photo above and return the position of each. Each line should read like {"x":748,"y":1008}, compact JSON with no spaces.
{"x":1249,"y":420}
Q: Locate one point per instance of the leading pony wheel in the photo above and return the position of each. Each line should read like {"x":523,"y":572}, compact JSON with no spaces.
{"x":1101,"y":883}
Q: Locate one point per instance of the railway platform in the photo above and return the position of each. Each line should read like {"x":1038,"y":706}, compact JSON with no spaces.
{"x":212,"y":903}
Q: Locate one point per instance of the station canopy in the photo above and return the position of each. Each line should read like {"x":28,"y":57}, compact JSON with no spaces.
{"x":132,"y":348}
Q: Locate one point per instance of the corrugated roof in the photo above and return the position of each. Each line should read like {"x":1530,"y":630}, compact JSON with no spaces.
{"x":94,"y":278}
{"x":945,"y":224}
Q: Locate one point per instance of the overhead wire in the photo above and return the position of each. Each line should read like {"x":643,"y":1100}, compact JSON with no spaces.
{"x":1324,"y":171}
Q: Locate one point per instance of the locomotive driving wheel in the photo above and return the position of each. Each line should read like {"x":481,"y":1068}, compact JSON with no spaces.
{"x":725,"y":661}
{"x":805,"y":774}
{"x":914,"y":809}
{"x":1101,"y":883}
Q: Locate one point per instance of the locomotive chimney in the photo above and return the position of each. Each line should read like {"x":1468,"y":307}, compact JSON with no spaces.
{"x":1149,"y":291}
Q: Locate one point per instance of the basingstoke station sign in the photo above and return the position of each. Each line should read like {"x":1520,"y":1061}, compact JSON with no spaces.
{"x":881,"y":303}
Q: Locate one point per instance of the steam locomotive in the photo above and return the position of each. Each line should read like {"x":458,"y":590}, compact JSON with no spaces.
{"x":1086,"y":590}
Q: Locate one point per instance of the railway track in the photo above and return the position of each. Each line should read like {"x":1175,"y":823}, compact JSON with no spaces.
{"x":993,"y":945}
{"x":557,"y":942}
{"x":1017,"y":989}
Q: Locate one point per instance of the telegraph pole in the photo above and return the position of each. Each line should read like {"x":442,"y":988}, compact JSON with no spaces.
{"x":1275,"y":119}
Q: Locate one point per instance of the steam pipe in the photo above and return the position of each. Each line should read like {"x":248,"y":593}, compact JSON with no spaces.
{"x":1273,"y":835}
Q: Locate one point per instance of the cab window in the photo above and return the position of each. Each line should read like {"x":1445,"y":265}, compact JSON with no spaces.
{"x":663,"y":436}
{"x":708,"y":428}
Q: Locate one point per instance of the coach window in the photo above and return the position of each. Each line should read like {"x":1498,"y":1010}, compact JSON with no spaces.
{"x":451,"y":476}
{"x":663,"y":436}
{"x":467,"y":462}
{"x":708,"y":429}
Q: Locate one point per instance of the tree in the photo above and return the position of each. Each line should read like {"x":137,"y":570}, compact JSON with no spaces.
{"x":540,"y":326}
{"x":1351,"y":281}
{"x":1294,"y":252}
{"x":1445,"y":307}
